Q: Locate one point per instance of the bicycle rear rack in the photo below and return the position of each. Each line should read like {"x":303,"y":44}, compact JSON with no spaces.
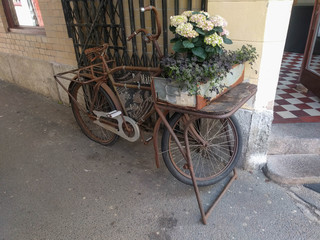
{"x":84,"y":75}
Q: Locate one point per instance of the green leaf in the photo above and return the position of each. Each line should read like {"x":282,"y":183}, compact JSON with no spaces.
{"x":194,"y":40}
{"x":211,"y":32}
{"x":210,"y":49}
{"x":187,"y":44}
{"x":198,"y":42}
{"x":200,"y":31}
{"x":210,"y":54}
{"x":218,"y":29}
{"x":173,"y":40}
{"x":178,"y":47}
{"x":226,"y":40}
{"x":172,"y":29}
{"x":193,"y":24}
{"x":199,"y":52}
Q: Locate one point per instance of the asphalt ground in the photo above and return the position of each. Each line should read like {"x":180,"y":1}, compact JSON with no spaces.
{"x":55,"y":183}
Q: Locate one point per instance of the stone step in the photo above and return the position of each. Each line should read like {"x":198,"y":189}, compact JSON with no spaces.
{"x":293,"y":168}
{"x":296,"y":138}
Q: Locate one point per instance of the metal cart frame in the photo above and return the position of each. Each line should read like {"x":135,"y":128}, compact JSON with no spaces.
{"x":223,"y":107}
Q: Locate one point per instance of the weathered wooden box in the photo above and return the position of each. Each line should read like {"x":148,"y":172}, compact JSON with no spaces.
{"x":170,"y":92}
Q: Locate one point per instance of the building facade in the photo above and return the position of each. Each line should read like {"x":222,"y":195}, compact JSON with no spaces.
{"x":30,"y":56}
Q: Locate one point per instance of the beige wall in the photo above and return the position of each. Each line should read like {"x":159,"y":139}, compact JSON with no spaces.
{"x":55,"y":46}
{"x":30,"y":60}
{"x":263,"y":24}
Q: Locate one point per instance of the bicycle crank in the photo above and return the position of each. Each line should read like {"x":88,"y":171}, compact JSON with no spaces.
{"x":132,"y":134}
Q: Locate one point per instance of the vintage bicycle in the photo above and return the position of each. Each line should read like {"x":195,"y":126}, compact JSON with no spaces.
{"x":199,"y":147}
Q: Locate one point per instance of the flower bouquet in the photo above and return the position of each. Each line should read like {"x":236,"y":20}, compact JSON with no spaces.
{"x":201,"y":69}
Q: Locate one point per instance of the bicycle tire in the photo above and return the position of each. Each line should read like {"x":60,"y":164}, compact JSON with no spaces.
{"x":81,"y":93}
{"x":211,"y":163}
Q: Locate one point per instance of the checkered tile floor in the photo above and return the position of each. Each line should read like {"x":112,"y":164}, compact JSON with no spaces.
{"x":292,"y":106}
{"x":315,"y":63}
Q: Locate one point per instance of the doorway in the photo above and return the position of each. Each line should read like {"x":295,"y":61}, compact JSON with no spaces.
{"x":294,"y":103}
{"x":310,"y":70}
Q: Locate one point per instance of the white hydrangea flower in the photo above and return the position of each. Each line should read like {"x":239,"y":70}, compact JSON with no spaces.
{"x":175,"y":21}
{"x":206,"y":25}
{"x":225,"y":32}
{"x":187,"y":13}
{"x":186,"y":30}
{"x":205,"y":13}
{"x":218,"y":21}
{"x":198,"y":18}
{"x":213,"y":40}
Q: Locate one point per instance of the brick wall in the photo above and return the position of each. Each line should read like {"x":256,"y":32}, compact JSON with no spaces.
{"x":32,"y":60}
{"x":55,"y":46}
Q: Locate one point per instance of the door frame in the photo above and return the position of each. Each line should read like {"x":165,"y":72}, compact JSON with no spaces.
{"x":307,"y":77}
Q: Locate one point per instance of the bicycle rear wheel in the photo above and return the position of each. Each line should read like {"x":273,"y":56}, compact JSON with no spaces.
{"x":212,"y":162}
{"x":83,"y":94}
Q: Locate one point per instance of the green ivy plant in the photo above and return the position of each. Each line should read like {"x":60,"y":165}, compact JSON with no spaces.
{"x":189,"y":72}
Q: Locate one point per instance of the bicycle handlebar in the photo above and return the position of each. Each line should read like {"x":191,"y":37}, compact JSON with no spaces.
{"x":137,"y":32}
{"x":149,"y":36}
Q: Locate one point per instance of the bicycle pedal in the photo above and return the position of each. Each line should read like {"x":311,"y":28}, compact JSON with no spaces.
{"x":147,"y":140}
{"x":112,"y":114}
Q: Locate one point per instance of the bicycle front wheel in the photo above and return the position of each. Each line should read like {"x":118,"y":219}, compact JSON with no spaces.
{"x":84,"y":94}
{"x":213,"y":160}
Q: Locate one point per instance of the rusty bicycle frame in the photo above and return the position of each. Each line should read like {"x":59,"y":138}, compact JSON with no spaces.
{"x":100,"y":74}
